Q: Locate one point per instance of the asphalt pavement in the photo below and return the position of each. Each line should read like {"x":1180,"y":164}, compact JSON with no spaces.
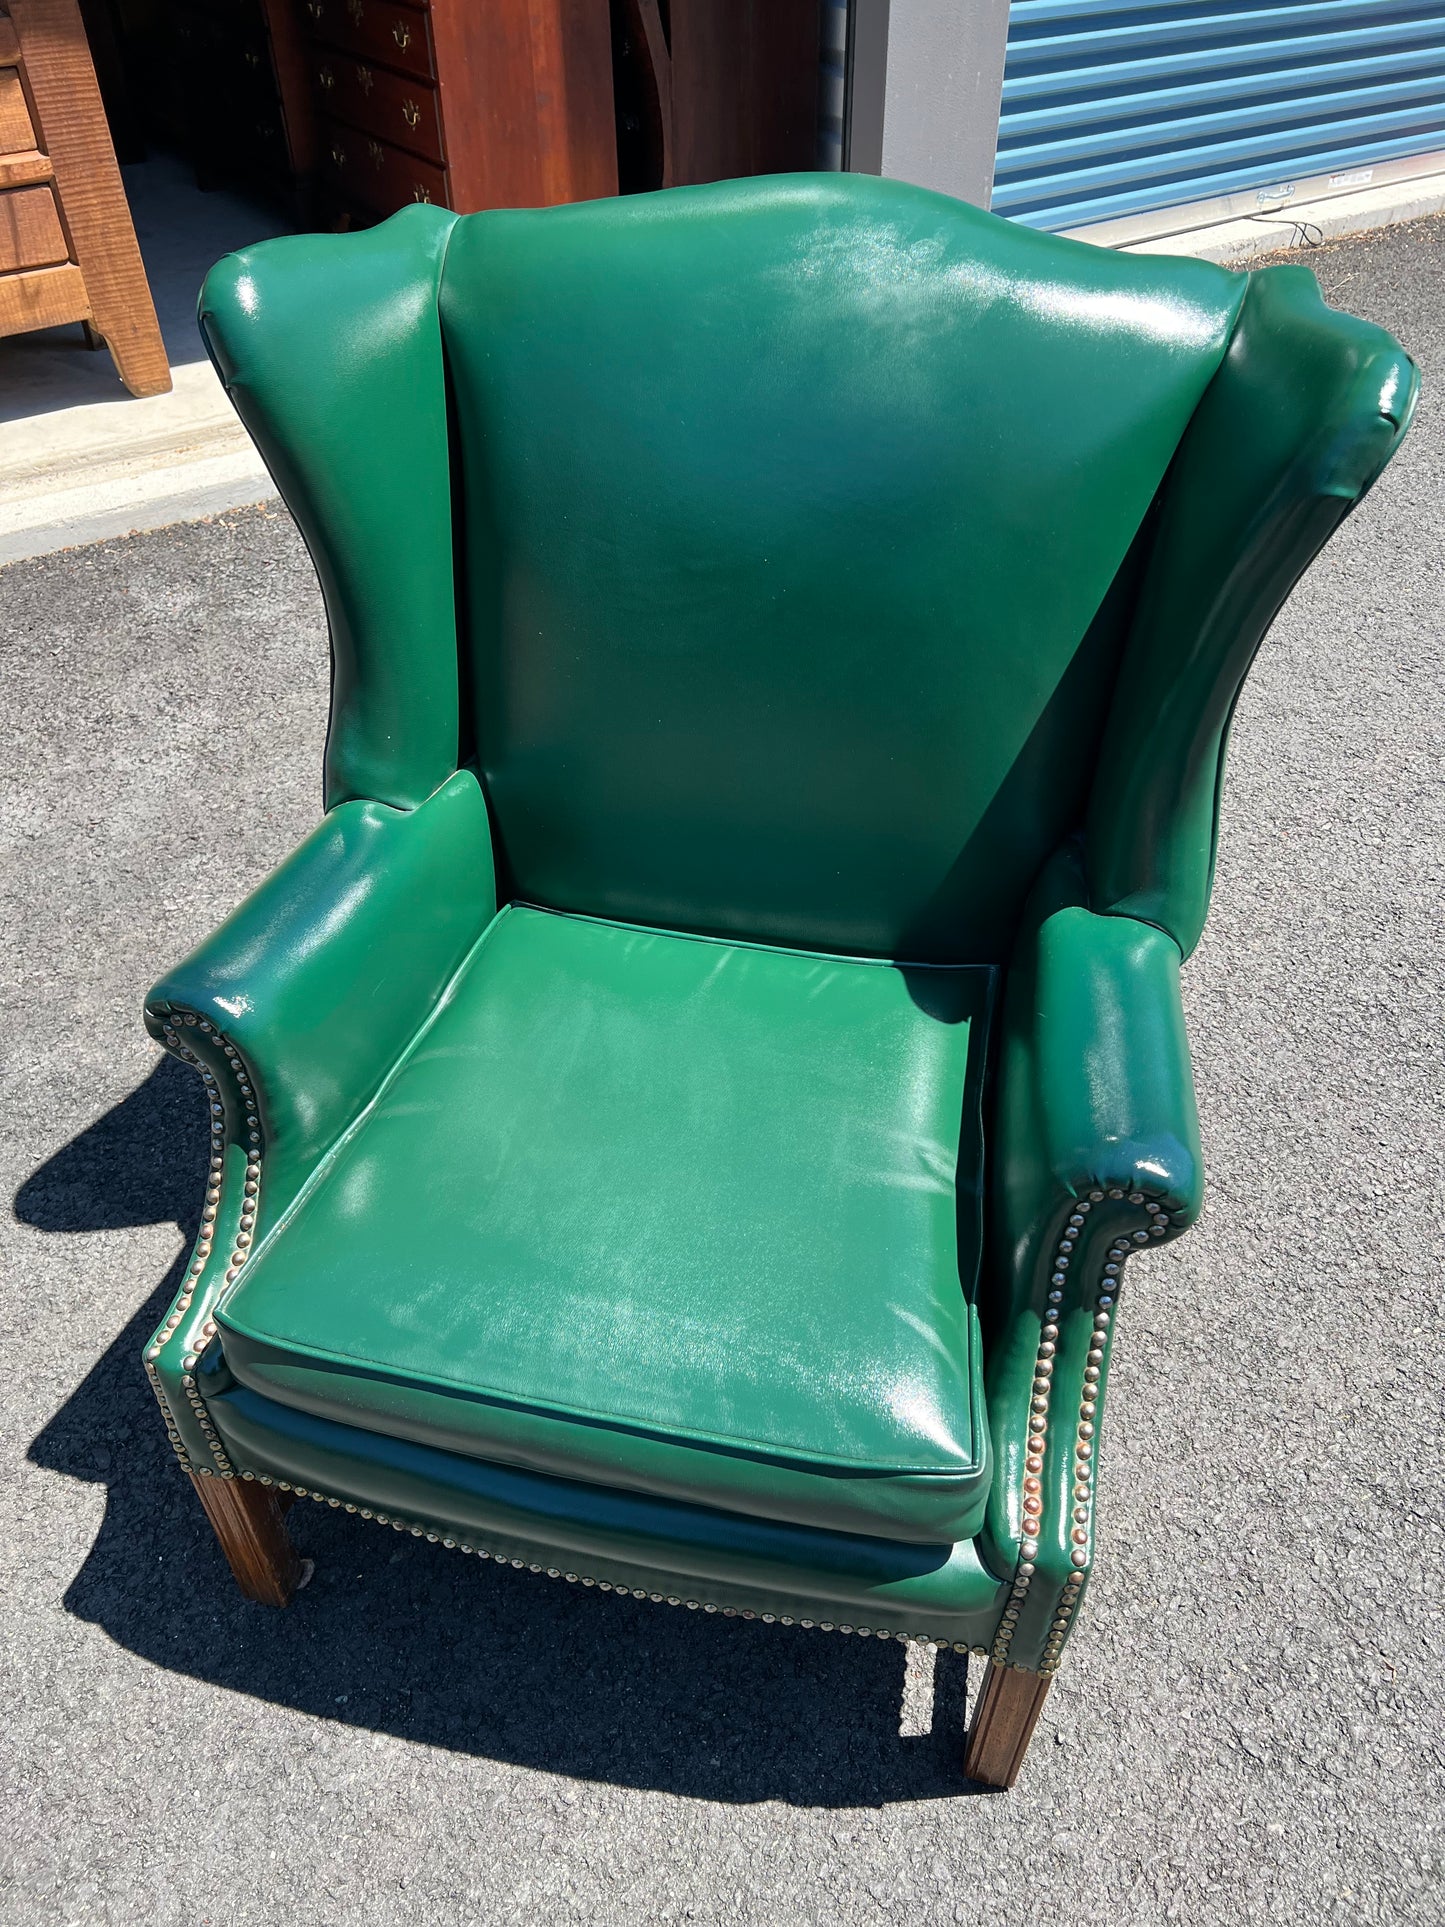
{"x":1248,"y":1726}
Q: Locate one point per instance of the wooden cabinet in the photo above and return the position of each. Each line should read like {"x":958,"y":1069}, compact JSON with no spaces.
{"x":521,"y":103}
{"x":235,"y":95}
{"x":709,"y":90}
{"x":506,"y":103}
{"x":349,"y":109}
{"x":67,"y":247}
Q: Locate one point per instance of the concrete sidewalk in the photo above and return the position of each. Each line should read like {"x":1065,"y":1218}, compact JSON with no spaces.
{"x":1248,"y":1727}
{"x":80,"y":459}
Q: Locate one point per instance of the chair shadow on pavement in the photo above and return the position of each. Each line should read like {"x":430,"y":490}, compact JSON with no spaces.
{"x":400,"y":1637}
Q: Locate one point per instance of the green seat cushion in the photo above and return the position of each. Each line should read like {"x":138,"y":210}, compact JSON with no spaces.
{"x":689,"y":1217}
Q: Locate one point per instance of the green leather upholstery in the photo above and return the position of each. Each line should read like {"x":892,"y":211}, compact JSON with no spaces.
{"x":333,"y":357}
{"x":322,"y":976}
{"x":662,"y":1212}
{"x":1307,"y":408}
{"x":730,"y":508}
{"x":1097,"y":1146}
{"x":613,"y":1539}
{"x":682,"y":1119}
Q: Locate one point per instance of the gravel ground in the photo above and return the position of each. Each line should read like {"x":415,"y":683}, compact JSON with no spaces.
{"x":1248,"y":1727}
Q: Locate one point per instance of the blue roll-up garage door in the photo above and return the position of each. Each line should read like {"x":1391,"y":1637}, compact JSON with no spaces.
{"x":1113,"y":110}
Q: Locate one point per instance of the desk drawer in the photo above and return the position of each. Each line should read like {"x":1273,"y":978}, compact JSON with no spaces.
{"x":16,"y":133}
{"x":30,"y":232}
{"x":389,"y":31}
{"x":396,"y":109}
{"x":373,"y":173}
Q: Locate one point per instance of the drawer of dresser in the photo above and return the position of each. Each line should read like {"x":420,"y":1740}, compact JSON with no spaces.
{"x":16,"y":133}
{"x":30,"y":232}
{"x":386,"y":30}
{"x":375,"y":174}
{"x":377,"y":101}
{"x":226,"y":55}
{"x":221,"y":88}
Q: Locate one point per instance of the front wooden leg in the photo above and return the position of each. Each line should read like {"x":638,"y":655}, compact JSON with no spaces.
{"x":1008,"y":1708}
{"x":248,"y":1522}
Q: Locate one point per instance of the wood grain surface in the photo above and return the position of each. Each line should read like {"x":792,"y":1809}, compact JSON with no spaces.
{"x":69,"y":119}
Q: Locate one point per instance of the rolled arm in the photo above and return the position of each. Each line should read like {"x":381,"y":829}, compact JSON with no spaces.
{"x":293,"y":1012}
{"x":1096,"y":1155}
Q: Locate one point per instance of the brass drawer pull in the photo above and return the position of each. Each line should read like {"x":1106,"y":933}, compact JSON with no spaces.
{"x":401,"y":34}
{"x":365,"y":79}
{"x":338,"y":154}
{"x":420,"y":193}
{"x":410,"y":112}
{"x":377,"y":153}
{"x":326,"y":79}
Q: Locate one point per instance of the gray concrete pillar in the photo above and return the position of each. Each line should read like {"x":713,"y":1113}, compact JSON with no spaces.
{"x":924,"y":82}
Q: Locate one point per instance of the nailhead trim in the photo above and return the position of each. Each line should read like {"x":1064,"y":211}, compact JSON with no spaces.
{"x":1081,"y":1528}
{"x":174,"y":1027}
{"x":436,"y":1536}
{"x":1084,"y":1481}
{"x":1082,"y":1492}
{"x":223,"y":1465}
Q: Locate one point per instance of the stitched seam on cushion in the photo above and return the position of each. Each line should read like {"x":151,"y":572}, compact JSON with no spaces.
{"x":613,"y":1421}
{"x":752,"y":943}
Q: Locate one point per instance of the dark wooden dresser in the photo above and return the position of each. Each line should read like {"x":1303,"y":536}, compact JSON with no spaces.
{"x":346,"y":110}
{"x":465,"y":103}
{"x":238,"y":97}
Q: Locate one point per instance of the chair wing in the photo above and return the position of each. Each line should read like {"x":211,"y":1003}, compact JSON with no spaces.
{"x":1306,"y":410}
{"x":329,"y":347}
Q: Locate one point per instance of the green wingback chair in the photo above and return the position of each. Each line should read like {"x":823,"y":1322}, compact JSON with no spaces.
{"x":681,"y":1119}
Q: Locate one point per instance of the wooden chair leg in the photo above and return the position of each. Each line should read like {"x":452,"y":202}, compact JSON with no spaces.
{"x":1009,"y":1704}
{"x":247,"y":1521}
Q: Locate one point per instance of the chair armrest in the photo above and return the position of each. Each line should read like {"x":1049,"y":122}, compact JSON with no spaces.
{"x":313,"y":987}
{"x":293,"y":1012}
{"x":1096,"y":1089}
{"x":1095,"y":1155}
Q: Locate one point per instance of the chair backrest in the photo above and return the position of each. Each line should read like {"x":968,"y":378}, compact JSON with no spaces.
{"x":789,"y":507}
{"x":790,"y":534}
